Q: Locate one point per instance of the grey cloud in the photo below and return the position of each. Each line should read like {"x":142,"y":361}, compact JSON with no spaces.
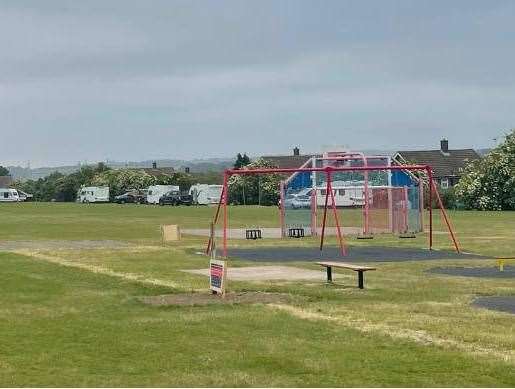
{"x":133,"y":79}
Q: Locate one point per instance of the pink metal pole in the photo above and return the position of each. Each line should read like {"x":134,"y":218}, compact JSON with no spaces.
{"x":314,"y":212}
{"x":390,"y":210}
{"x":338,"y":230}
{"x":226,"y":192}
{"x":281,"y":209}
{"x":421,"y":203}
{"x":366,"y":208}
{"x":328,"y":186}
{"x":405,"y":209}
{"x":430,"y":178}
{"x":444,"y":214}
{"x":325,"y":169}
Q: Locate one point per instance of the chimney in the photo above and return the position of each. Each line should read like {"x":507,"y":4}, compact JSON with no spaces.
{"x":154,"y":165}
{"x":444,"y":145}
{"x":296,"y":151}
{"x":187,"y":170}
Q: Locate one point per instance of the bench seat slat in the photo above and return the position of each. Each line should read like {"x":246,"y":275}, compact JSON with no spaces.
{"x":346,"y":266}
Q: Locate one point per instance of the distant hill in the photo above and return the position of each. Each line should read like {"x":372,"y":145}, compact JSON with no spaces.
{"x":196,"y":166}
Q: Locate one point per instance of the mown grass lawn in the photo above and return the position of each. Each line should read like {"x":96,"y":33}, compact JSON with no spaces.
{"x":72,"y":318}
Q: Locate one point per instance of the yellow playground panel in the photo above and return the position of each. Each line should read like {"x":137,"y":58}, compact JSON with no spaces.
{"x":502,"y":261}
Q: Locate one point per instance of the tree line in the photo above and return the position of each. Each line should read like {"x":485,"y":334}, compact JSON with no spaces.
{"x":486,"y":184}
{"x":64,"y":187}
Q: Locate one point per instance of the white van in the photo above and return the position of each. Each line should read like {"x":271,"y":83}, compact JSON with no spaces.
{"x":155,"y":192}
{"x":8,"y":195}
{"x":345,"y":196}
{"x":205,"y":194}
{"x":93,"y":194}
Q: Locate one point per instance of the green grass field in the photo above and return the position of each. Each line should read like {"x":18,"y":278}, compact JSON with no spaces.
{"x":72,"y":317}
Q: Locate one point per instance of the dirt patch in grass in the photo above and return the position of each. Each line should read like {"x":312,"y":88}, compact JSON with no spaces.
{"x":208,"y":298}
{"x":266,"y":273}
{"x":62,"y":244}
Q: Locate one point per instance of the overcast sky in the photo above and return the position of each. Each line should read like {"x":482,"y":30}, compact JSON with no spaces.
{"x":133,"y":80}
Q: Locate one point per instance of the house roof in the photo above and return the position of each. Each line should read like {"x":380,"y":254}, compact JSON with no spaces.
{"x":444,"y":164}
{"x":287,"y":161}
{"x":159,"y":172}
{"x":156,"y":172}
{"x":5,"y":181}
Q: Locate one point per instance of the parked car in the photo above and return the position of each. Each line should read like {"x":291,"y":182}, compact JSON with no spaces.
{"x":175,"y":197}
{"x":155,"y":192}
{"x":136,"y":197}
{"x":302,"y":201}
{"x":25,"y":196}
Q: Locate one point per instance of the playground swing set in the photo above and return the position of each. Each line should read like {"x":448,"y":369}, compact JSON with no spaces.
{"x":363,"y":196}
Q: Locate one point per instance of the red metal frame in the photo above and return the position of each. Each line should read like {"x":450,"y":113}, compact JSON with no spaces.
{"x":281,"y":208}
{"x":329,"y":170}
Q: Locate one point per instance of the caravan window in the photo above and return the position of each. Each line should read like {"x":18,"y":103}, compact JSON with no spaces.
{"x":341,"y":192}
{"x":150,"y":192}
{"x":323,"y":192}
{"x":6,"y":195}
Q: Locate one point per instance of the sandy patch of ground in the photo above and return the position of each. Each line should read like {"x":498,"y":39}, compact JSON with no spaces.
{"x":266,"y":273}
{"x":62,"y":244}
{"x":95,"y":268}
{"x":208,"y":298}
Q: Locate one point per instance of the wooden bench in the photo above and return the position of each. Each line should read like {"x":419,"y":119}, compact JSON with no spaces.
{"x":357,"y":268}
{"x":253,"y":234}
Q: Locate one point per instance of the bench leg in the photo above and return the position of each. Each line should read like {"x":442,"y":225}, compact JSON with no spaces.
{"x":329,"y":274}
{"x":360,"y":279}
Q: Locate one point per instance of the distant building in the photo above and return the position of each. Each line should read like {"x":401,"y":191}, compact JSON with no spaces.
{"x":447,"y":164}
{"x":291,"y":161}
{"x":5,"y":181}
{"x":154,"y":171}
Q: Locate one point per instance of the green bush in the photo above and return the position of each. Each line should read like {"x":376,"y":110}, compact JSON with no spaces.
{"x":489,"y":184}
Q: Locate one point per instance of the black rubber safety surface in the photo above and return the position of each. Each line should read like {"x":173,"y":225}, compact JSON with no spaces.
{"x":496,"y":303}
{"x":487,"y":272}
{"x":354,"y":254}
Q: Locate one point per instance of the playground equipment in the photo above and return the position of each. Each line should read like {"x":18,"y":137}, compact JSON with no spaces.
{"x":502,"y":260}
{"x":384,"y":198}
{"x":391,"y":201}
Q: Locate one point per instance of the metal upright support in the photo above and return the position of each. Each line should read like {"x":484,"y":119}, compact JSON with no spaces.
{"x":328,"y":187}
{"x":226,"y":192}
{"x":430,"y":179}
{"x":360,"y":279}
{"x":329,"y":270}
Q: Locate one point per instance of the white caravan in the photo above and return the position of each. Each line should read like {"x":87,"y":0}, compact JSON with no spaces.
{"x":8,"y":195}
{"x":204,"y":194}
{"x":346,"y":196}
{"x":93,"y":194}
{"x":155,"y":192}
